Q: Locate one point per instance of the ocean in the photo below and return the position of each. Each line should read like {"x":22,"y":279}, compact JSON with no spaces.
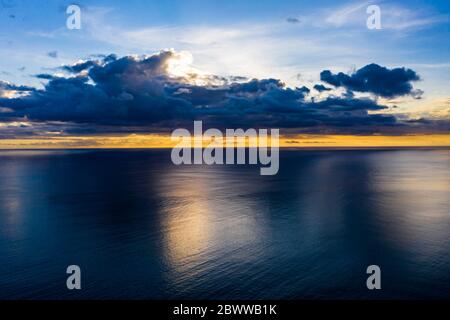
{"x":140,"y":227}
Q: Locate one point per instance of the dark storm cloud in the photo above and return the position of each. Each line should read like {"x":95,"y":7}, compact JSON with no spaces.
{"x":45,"y":76}
{"x":80,"y":66}
{"x":321,"y":88}
{"x":138,"y":92}
{"x":6,"y":86}
{"x":304,"y":90}
{"x":381,"y":81}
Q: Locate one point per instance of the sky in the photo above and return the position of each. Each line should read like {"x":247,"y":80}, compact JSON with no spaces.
{"x":137,"y":70}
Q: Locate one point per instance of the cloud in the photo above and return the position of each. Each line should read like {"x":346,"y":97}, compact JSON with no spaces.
{"x":381,"y":81}
{"x":249,"y":48}
{"x":159,"y":93}
{"x":4,"y":85}
{"x":402,"y":18}
{"x":340,"y":16}
{"x":394,"y":17}
{"x":83,"y":65}
{"x":293,"y":20}
{"x":321,"y":88}
{"x":53,"y":54}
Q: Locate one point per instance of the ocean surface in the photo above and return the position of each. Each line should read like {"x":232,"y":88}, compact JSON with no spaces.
{"x":140,"y":227}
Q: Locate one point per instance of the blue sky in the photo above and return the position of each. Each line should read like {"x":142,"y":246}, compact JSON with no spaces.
{"x":330,"y":34}
{"x":288,"y":40}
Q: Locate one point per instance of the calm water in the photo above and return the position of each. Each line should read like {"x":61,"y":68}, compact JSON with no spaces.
{"x":140,"y":227}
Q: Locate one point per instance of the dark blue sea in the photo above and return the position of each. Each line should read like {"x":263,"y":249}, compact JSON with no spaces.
{"x":140,"y":227}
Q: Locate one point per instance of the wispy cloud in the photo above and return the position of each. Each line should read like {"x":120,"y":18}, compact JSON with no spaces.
{"x":347,"y":14}
{"x":400,"y":18}
{"x":393,"y":16}
{"x":272,"y":48}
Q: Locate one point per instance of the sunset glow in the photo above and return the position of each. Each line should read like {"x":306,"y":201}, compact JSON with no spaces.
{"x":164,"y":141}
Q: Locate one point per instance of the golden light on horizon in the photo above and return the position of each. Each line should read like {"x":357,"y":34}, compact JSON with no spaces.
{"x":164,"y":141}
